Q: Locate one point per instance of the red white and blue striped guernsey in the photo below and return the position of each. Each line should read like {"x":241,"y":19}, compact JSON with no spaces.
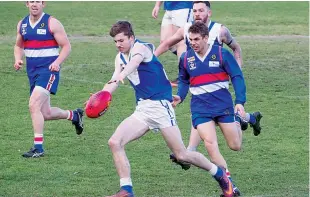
{"x":40,"y":46}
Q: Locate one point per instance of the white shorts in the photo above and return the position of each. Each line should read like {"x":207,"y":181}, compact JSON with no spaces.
{"x":177,"y":17}
{"x":155,"y":114}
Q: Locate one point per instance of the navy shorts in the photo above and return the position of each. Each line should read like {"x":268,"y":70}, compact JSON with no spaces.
{"x":226,"y":117}
{"x":48,"y":81}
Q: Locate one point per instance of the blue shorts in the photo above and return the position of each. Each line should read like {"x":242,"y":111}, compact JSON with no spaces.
{"x":48,"y":81}
{"x":226,"y":117}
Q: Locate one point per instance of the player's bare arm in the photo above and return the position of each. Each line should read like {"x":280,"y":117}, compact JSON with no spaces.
{"x":61,"y":38}
{"x":112,"y":85}
{"x":137,"y":56}
{"x":156,"y":9}
{"x":173,"y":40}
{"x":18,"y":49}
{"x":226,"y":37}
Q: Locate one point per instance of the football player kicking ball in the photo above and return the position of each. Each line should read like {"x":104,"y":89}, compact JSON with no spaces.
{"x":153,"y":91}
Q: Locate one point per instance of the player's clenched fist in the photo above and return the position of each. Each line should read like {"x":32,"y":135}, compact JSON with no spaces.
{"x":54,"y":67}
{"x":18,"y":64}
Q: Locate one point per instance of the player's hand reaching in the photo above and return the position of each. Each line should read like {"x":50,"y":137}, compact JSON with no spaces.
{"x":155,"y":12}
{"x":18,"y":64}
{"x":240,"y":110}
{"x":54,"y":67}
{"x":120,"y":78}
{"x":176,"y":100}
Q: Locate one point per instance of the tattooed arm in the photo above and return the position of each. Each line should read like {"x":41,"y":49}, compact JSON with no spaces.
{"x":227,"y":38}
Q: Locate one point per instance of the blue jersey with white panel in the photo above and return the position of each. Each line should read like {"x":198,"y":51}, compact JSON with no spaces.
{"x":177,"y":5}
{"x":149,"y":80}
{"x":40,"y":46}
{"x":208,"y":80}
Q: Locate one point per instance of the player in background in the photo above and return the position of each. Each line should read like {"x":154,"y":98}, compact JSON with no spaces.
{"x":154,"y":110}
{"x":218,"y":34}
{"x":177,"y":14}
{"x":39,"y":37}
{"x":205,"y":70}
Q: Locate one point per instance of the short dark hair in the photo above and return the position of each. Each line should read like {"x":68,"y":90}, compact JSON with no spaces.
{"x":205,"y":2}
{"x":199,"y":28}
{"x":122,"y":27}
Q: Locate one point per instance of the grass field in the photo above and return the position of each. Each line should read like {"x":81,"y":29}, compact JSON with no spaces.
{"x":274,"y":37}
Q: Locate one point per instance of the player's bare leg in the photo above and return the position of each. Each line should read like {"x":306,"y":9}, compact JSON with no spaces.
{"x":36,"y":101}
{"x":233,"y":135}
{"x":173,"y":138}
{"x":207,"y":132}
{"x":130,"y":129}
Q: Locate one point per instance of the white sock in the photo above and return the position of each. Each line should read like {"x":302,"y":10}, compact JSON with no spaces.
{"x":227,"y":172}
{"x":70,"y":114}
{"x":213,"y":170}
{"x":247,"y":117}
{"x":191,"y":148}
{"x":125,"y":181}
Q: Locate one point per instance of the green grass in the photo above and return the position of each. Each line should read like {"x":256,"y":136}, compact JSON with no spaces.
{"x":95,"y":18}
{"x":276,"y":71}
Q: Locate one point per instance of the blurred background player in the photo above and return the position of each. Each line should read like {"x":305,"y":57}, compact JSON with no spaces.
{"x":154,"y":110}
{"x":177,"y":14}
{"x":38,"y":37}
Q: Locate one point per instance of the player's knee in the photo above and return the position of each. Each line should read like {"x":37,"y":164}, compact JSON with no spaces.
{"x":33,"y":106}
{"x":47,"y":115}
{"x":235,"y":145}
{"x":114,"y":143}
{"x":181,"y":155}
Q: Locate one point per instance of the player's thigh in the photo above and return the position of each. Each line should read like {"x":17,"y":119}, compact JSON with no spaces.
{"x":207,"y":132}
{"x":229,"y":129}
{"x":166,"y":32}
{"x":166,"y":29}
{"x":173,"y":138}
{"x":38,"y":97}
{"x":130,"y":129}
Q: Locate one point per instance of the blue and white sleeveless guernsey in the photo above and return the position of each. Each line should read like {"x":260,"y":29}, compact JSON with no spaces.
{"x":149,"y":80}
{"x":214,"y":31}
{"x":40,"y":46}
{"x":177,"y":5}
{"x":208,"y":81}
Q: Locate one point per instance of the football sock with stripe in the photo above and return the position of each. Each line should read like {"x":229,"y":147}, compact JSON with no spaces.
{"x":38,"y":142}
{"x":250,"y":118}
{"x":126,"y":184}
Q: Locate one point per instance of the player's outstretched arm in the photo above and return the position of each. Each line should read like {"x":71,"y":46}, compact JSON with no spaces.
{"x":226,"y":37}
{"x":18,"y":49}
{"x":112,"y":85}
{"x":173,"y":40}
{"x":138,"y":53}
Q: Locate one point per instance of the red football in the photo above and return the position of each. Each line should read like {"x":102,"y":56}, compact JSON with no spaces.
{"x":98,"y":104}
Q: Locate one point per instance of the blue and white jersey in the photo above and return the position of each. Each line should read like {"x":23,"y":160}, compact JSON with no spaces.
{"x":177,"y":5}
{"x":214,"y":33}
{"x":40,"y":46}
{"x":149,"y":80}
{"x":207,"y":78}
